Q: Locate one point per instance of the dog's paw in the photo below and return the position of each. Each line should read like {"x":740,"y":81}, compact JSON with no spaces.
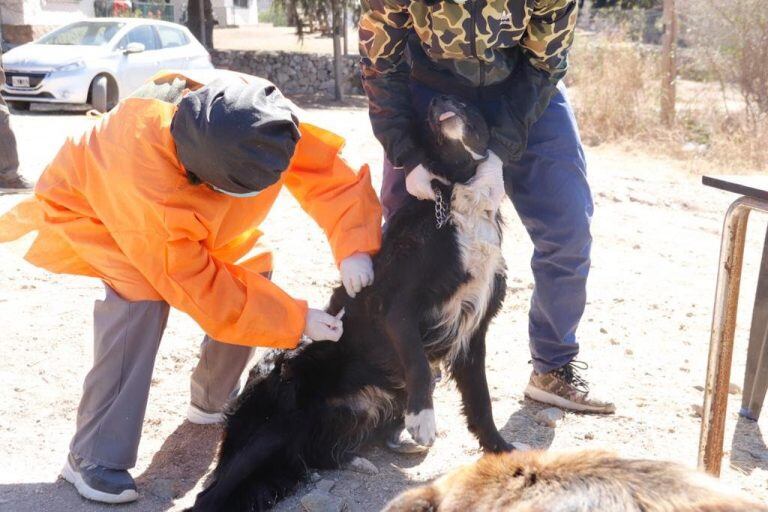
{"x":400,"y":442}
{"x":422,"y":426}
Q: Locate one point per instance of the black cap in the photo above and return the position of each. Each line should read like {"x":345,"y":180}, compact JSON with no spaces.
{"x":235,"y":135}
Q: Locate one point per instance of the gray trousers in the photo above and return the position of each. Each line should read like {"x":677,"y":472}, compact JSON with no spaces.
{"x":9,"y":157}
{"x":126,"y":339}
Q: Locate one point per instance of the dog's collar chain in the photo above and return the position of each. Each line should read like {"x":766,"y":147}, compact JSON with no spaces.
{"x":442,"y":209}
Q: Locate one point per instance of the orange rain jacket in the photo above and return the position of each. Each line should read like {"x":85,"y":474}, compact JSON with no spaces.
{"x":117,"y":205}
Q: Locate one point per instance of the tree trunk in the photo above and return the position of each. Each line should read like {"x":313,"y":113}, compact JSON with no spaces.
{"x":200,"y":21}
{"x":337,"y":68}
{"x":669,"y":64}
{"x":344,"y":26}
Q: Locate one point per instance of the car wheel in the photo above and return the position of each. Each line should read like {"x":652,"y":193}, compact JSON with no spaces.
{"x":99,"y":90}
{"x":19,"y":105}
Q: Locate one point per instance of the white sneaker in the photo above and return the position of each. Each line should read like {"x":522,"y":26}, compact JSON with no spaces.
{"x":200,"y":417}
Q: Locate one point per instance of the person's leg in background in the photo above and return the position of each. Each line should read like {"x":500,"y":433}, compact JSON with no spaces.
{"x":10,"y":179}
{"x":216,"y":380}
{"x":111,"y":412}
{"x":550,"y":192}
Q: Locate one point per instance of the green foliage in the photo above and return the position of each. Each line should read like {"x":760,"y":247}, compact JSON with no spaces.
{"x":275,"y":15}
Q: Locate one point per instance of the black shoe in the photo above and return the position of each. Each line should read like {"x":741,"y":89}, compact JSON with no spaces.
{"x":98,"y":483}
{"x":15,"y":184}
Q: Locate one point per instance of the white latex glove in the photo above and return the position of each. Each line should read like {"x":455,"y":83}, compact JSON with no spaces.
{"x":489,"y":179}
{"x":418,"y":183}
{"x":322,"y":326}
{"x":356,"y":272}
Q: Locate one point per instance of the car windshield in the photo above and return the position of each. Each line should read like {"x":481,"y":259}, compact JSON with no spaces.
{"x":83,"y":33}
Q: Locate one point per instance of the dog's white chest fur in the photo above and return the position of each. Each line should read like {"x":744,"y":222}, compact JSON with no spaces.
{"x":479,"y":241}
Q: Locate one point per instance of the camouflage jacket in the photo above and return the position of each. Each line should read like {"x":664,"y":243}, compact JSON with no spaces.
{"x":516,"y":48}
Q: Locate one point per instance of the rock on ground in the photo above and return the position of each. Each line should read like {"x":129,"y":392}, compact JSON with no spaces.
{"x":319,"y":501}
{"x":361,"y":465}
{"x":549,"y":417}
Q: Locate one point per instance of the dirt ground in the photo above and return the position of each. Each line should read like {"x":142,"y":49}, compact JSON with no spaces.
{"x":645,"y":335}
{"x":265,"y":37}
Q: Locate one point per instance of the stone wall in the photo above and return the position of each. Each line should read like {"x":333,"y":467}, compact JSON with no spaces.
{"x":17,"y":34}
{"x":292,"y":72}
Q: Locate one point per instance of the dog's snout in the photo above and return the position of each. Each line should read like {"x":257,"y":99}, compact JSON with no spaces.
{"x":442,"y":104}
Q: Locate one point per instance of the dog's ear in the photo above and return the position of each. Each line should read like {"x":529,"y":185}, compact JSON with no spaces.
{"x":420,"y":499}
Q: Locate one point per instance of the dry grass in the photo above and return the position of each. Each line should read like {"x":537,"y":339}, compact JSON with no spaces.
{"x":613,"y":96}
{"x":616,"y":96}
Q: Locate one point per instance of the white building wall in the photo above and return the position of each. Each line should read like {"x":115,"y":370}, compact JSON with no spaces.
{"x":12,"y":12}
{"x":56,"y":12}
{"x":247,"y":16}
{"x":24,"y":20}
{"x":230,"y":14}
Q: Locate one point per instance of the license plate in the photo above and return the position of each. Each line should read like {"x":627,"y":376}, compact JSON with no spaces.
{"x":20,"y":81}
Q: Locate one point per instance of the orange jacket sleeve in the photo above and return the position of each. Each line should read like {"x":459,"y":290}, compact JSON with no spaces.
{"x":341,"y":201}
{"x":231,"y":304}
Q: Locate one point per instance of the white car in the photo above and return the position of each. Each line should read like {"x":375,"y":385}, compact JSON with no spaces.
{"x":97,"y":61}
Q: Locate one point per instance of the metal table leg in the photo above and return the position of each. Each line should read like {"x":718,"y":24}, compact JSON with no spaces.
{"x":756,"y":374}
{"x":723,"y":329}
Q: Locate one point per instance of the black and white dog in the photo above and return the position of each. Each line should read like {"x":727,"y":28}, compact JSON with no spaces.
{"x":440,"y":279}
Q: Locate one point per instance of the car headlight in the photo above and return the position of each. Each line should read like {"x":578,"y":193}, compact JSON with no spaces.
{"x":72,"y":66}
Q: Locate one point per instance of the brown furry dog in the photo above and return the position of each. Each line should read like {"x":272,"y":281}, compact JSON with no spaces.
{"x":542,"y":481}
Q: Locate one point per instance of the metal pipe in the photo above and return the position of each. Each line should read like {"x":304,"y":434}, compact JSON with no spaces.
{"x":723,"y":330}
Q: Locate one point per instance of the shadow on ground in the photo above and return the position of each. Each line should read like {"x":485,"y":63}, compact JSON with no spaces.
{"x":363,"y":492}
{"x":181,"y":462}
{"x":396,"y":471}
{"x":522,"y":427}
{"x":176,"y":468}
{"x":325,"y":101}
{"x":39,"y":109}
{"x":748,"y":449}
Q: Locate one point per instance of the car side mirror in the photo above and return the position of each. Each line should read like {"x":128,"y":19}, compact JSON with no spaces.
{"x":133,"y":48}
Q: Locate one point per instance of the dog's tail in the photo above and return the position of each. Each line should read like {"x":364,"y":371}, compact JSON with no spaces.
{"x":286,"y":421}
{"x":244,"y":484}
{"x":254,"y":468}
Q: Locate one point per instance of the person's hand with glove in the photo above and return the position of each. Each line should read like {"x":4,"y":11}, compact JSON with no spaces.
{"x":322,"y":326}
{"x":418,"y":183}
{"x":489,"y":179}
{"x":356,"y":272}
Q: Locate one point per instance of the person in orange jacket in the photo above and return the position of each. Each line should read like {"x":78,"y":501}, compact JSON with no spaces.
{"x":161,"y":201}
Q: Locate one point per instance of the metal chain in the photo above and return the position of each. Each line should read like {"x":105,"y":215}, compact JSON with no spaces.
{"x":442,"y":212}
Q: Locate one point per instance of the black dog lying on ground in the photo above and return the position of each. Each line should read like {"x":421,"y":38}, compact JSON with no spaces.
{"x":440,"y":279}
